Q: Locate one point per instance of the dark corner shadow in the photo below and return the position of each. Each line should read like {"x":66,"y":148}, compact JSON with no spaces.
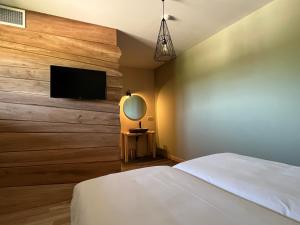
{"x":136,"y":53}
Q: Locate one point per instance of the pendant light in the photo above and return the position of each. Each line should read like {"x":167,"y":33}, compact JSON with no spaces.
{"x":164,"y":51}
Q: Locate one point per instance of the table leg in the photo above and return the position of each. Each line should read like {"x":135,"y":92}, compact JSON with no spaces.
{"x":122,"y":146}
{"x":126,"y":149}
{"x":153,"y":143}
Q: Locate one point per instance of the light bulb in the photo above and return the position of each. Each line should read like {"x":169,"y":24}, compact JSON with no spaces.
{"x":165,"y":47}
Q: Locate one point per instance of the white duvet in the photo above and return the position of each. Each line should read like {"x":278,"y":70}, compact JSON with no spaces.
{"x":164,"y":196}
{"x":273,"y":185}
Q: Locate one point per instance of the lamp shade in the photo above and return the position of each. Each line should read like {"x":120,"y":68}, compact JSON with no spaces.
{"x":164,"y":47}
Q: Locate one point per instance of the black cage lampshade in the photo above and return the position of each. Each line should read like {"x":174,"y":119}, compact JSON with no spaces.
{"x":164,"y":48}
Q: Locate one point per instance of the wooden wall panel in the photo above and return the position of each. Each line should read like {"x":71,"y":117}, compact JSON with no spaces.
{"x":42,"y":100}
{"x":55,"y":174}
{"x":100,"y":61}
{"x":25,"y":86}
{"x":54,"y":43}
{"x":17,"y":58}
{"x":15,"y":199}
{"x":56,"y":157}
{"x":55,"y":141}
{"x":43,"y":74}
{"x":43,"y":87}
{"x":13,"y":142}
{"x":10,"y":111}
{"x":78,"y":30}
{"x":25,"y":73}
{"x":14,"y":126}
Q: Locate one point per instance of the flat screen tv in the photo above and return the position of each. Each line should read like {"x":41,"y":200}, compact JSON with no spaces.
{"x":77,"y":83}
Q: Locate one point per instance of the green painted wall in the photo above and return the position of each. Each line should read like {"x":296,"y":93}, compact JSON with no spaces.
{"x":238,"y":91}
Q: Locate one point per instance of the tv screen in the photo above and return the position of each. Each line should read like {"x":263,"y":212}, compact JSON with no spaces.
{"x":77,"y":83}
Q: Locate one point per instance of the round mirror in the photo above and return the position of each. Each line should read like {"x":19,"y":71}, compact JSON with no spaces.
{"x":134,"y":107}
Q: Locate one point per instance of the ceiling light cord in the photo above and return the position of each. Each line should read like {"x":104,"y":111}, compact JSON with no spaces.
{"x":163,"y":1}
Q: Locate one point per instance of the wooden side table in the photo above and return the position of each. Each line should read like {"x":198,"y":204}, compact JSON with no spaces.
{"x":151,"y":143}
{"x":126,"y":149}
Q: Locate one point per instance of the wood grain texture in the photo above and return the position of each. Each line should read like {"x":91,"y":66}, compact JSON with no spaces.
{"x":41,"y":73}
{"x":39,"y":22}
{"x":109,"y":57}
{"x":114,"y":94}
{"x":54,"y":174}
{"x":25,"y":86}
{"x":14,"y":126}
{"x":15,"y":199}
{"x":105,"y":60}
{"x":43,"y":87}
{"x":25,"y":73}
{"x":32,"y":205}
{"x":27,"y":204}
{"x":52,"y":141}
{"x":10,"y":111}
{"x":53,"y":214}
{"x":42,"y":100}
{"x":60,"y":156}
{"x":17,"y":58}
{"x":15,"y":142}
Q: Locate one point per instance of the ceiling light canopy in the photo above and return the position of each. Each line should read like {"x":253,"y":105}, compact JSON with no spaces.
{"x":164,"y":51}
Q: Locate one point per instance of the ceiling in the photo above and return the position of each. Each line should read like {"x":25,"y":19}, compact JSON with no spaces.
{"x":138,"y":21}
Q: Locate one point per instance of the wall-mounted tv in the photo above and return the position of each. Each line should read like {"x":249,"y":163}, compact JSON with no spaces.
{"x":77,"y":83}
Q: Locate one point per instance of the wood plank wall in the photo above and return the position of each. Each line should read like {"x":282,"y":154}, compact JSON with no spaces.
{"x":54,"y":142}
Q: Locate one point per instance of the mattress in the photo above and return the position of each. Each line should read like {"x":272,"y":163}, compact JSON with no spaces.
{"x":164,"y":196}
{"x":271,"y":184}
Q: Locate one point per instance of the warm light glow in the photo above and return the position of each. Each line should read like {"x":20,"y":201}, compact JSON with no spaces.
{"x":126,"y":123}
{"x":165,"y":49}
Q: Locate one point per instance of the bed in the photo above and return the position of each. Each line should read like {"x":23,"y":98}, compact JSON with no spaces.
{"x":220,"y":189}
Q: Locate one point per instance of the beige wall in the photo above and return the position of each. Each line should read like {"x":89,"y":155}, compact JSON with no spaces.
{"x":238,"y":91}
{"x":140,"y":82}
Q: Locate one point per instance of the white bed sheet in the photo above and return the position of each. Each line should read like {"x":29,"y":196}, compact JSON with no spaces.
{"x":163,"y":196}
{"x":270,"y":184}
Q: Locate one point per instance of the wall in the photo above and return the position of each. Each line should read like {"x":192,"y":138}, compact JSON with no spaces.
{"x":238,"y":91}
{"x":46,"y":141}
{"x":140,"y":82}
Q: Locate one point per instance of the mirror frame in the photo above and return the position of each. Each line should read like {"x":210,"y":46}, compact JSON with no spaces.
{"x":126,"y":114}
